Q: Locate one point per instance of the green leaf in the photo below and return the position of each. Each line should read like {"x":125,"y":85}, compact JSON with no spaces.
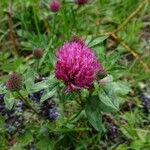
{"x":3,"y":142}
{"x":47,"y":94}
{"x":88,"y":39}
{"x":25,"y":138}
{"x":9,"y":100}
{"x":94,"y":118}
{"x":129,"y":132}
{"x":2,"y":89}
{"x":120,"y":88}
{"x":93,"y":113}
{"x":45,"y":144}
{"x":109,"y":99}
{"x":29,"y":79}
{"x":104,"y":108}
{"x":23,"y":33}
{"x":98,"y":40}
{"x":45,"y":53}
{"x":121,"y":147}
{"x":48,"y":83}
{"x":40,"y":85}
{"x":17,"y":146}
{"x":111,"y":92}
{"x":13,"y":65}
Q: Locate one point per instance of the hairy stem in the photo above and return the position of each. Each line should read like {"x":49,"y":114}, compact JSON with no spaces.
{"x":26,"y":101}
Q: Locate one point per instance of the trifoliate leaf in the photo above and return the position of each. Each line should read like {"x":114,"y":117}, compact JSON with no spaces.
{"x":9,"y":100}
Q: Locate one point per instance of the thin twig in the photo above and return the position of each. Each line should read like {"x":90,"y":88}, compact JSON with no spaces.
{"x":146,"y":67}
{"x":29,"y":57}
{"x":12,"y":33}
{"x":132,"y":15}
{"x":47,"y":27}
{"x":125,"y":22}
{"x":126,"y":46}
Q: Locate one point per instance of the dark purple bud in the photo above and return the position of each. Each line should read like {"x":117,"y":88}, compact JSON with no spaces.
{"x":14,"y":82}
{"x":37,"y":53}
{"x":81,"y":2}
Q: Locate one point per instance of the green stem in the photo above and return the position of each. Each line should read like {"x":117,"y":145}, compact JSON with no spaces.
{"x":37,"y":65}
{"x":65,"y":19}
{"x":36,"y":22}
{"x":54,"y":24}
{"x":74,"y":117}
{"x":26,"y":101}
{"x":78,"y":98}
{"x":72,"y":130}
{"x":74,"y":18}
{"x":78,"y":101}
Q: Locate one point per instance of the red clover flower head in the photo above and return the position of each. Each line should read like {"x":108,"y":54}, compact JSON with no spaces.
{"x":14,"y":82}
{"x":76,"y":65}
{"x":54,"y":6}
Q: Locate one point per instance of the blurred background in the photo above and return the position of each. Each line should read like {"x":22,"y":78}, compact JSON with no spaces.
{"x":125,"y":54}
